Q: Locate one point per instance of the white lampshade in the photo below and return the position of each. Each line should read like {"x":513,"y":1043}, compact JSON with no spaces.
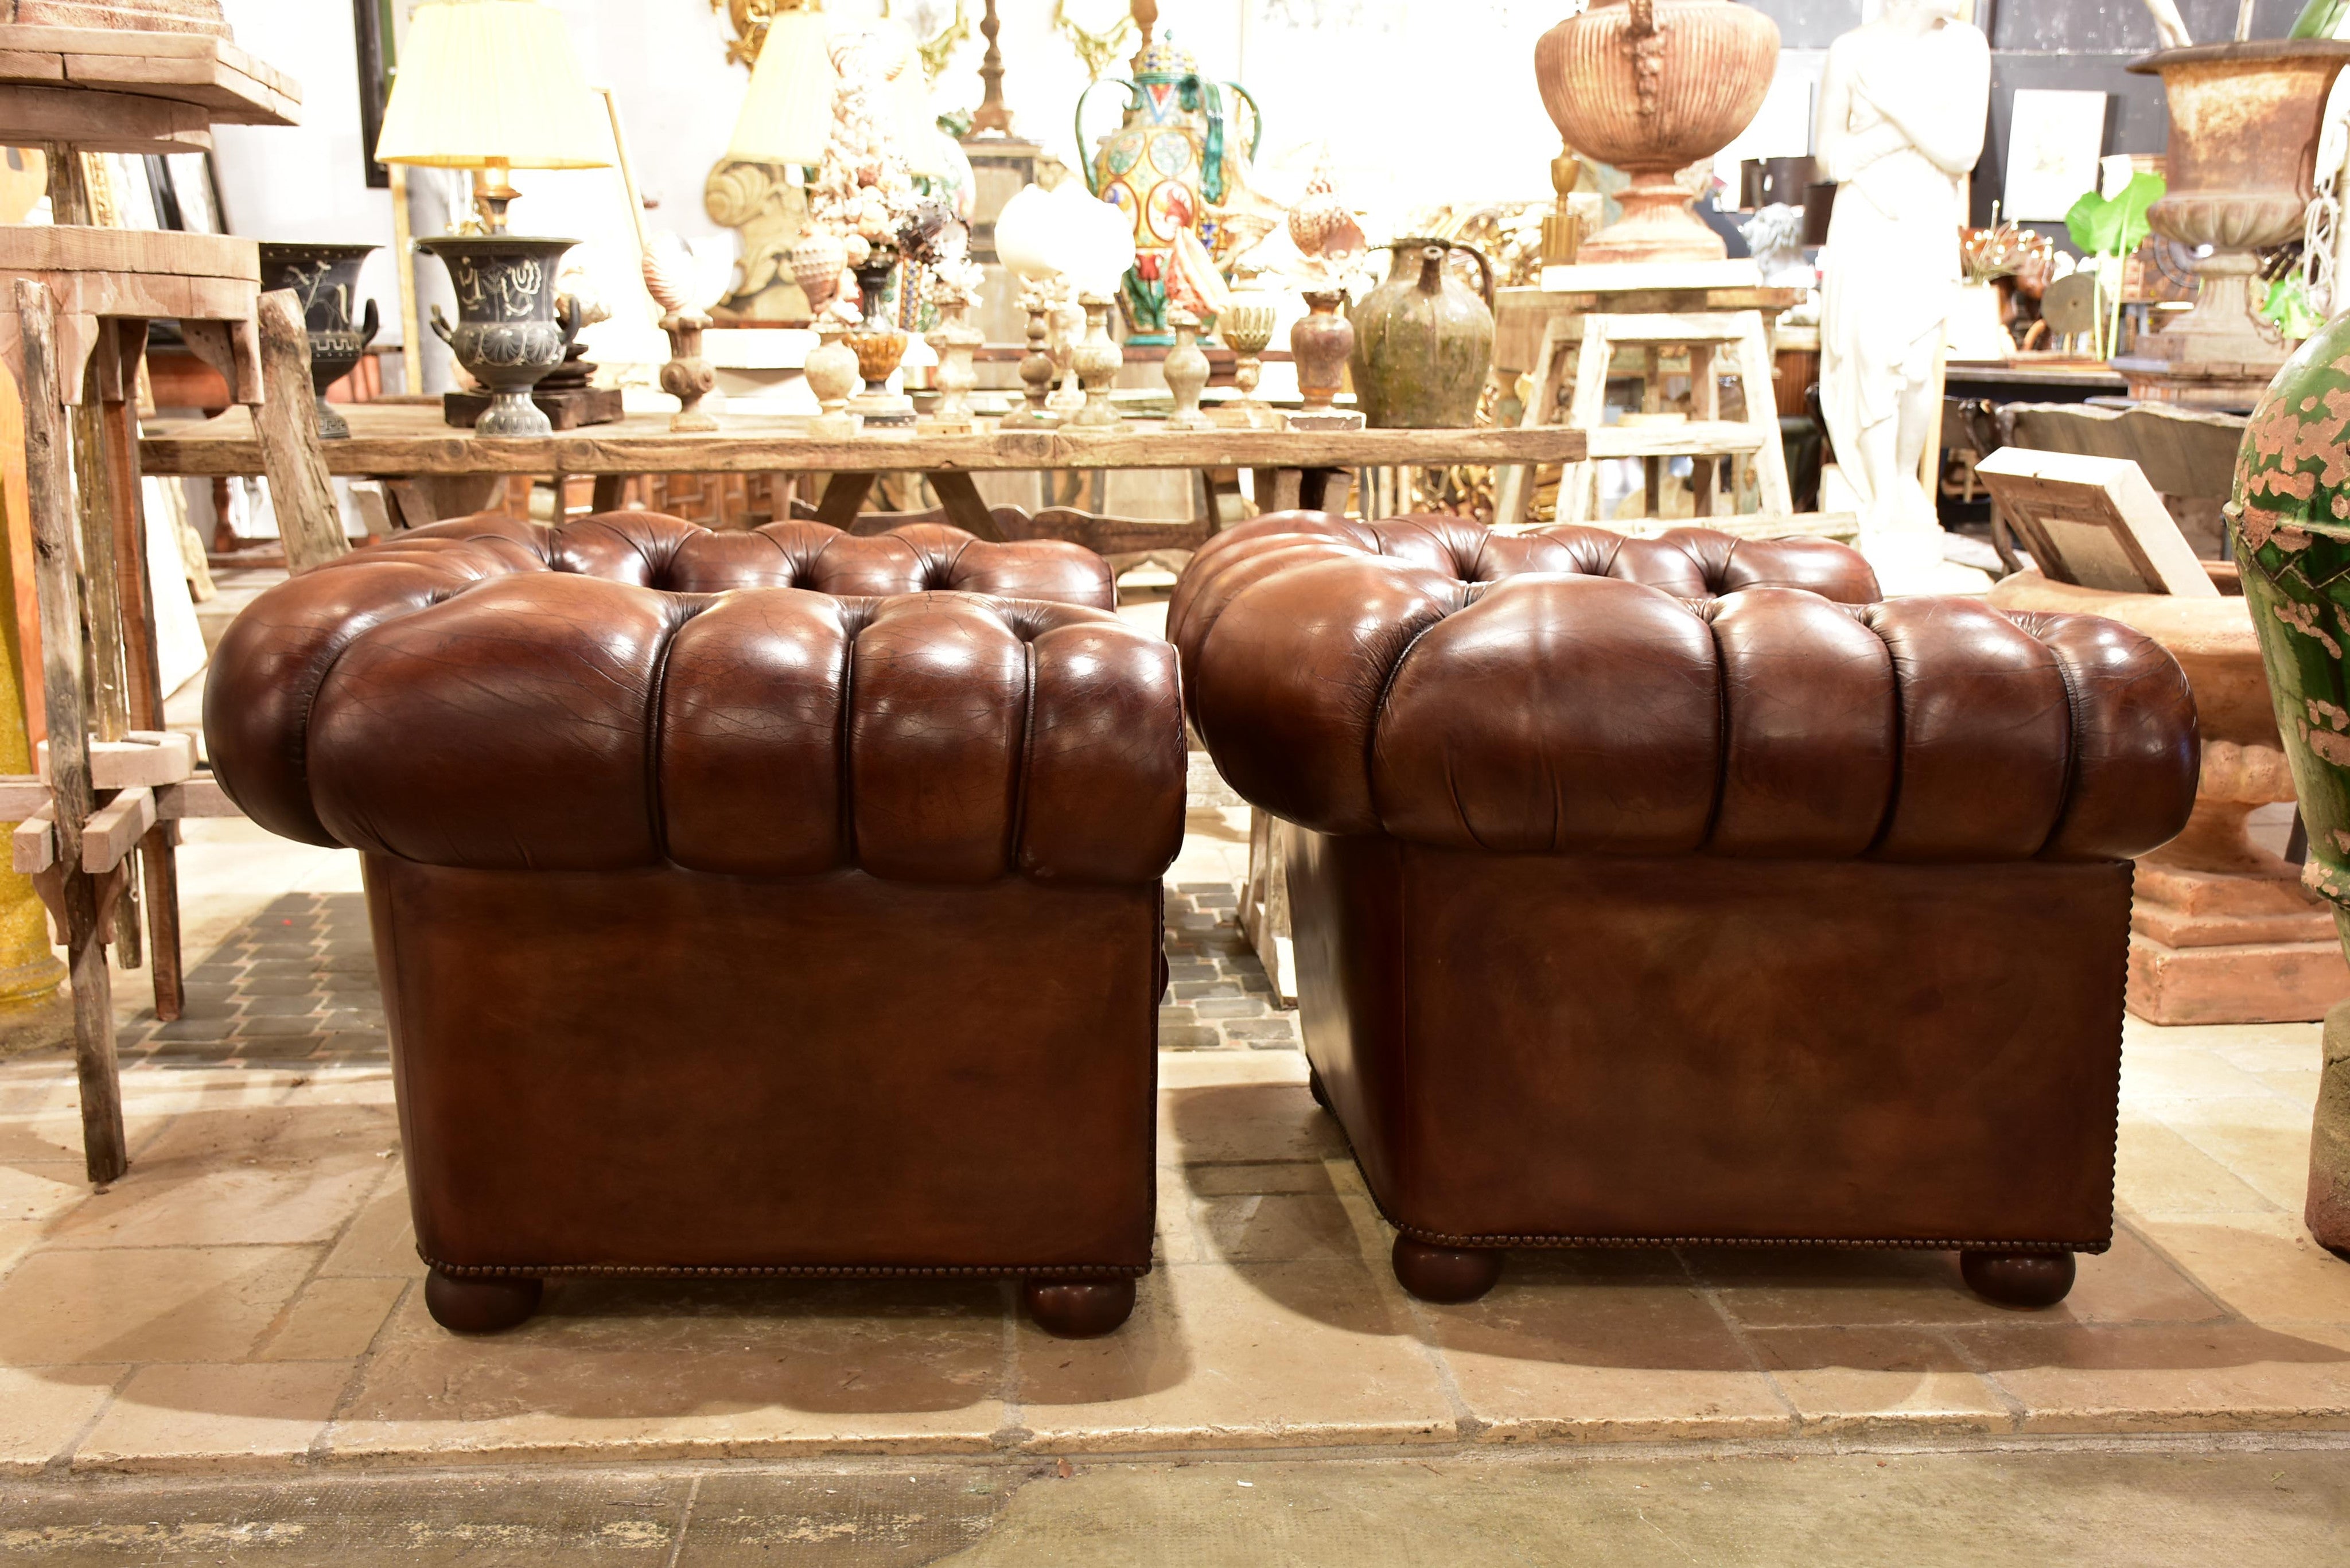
{"x":920,"y":140}
{"x":787,"y":118}
{"x":485,"y":82}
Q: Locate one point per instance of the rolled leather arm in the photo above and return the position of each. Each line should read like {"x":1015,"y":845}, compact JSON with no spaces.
{"x":1562,"y":714}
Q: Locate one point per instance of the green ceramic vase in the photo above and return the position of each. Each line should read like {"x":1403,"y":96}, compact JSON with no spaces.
{"x":2291,"y":523}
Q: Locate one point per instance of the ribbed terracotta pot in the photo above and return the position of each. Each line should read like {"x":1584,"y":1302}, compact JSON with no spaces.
{"x":1652,"y":87}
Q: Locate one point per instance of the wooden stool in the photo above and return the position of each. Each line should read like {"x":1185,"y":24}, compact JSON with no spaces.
{"x":1706,"y":335}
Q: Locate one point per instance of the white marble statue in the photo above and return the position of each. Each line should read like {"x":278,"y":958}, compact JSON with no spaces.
{"x":1903,"y":105}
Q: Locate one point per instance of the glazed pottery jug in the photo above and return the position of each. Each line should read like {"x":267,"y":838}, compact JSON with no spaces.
{"x":326,"y":278}
{"x":1164,"y":167}
{"x":2290,"y":525}
{"x":1652,"y":87}
{"x":509,"y":334}
{"x":1424,"y":340}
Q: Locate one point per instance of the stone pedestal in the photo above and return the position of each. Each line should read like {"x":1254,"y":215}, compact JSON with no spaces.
{"x":2221,"y":931}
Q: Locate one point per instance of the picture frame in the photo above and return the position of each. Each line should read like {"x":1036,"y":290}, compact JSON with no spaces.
{"x":2054,"y":140}
{"x":2095,"y":523}
{"x":374,"y":31}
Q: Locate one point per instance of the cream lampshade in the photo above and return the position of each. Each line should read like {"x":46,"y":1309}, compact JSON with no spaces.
{"x":492,"y":86}
{"x":787,"y":118}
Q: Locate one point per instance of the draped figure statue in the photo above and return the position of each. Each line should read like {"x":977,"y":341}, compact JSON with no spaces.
{"x":1903,"y":106}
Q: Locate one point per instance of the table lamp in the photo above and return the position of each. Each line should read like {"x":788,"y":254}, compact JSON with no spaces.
{"x":492,"y":86}
{"x":787,"y":116}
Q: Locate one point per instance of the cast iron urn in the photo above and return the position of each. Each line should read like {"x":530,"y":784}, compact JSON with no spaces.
{"x":326,"y":279}
{"x":509,"y":331}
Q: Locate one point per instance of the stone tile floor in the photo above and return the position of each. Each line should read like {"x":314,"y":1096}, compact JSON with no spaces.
{"x":248,"y":1298}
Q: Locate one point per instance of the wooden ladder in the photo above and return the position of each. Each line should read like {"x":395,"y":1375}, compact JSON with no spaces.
{"x":1592,"y":340}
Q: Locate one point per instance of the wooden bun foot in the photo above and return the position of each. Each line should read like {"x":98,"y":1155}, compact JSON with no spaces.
{"x":480,"y":1306}
{"x":1446,"y":1274}
{"x":2018,"y":1279}
{"x":1078,"y":1309}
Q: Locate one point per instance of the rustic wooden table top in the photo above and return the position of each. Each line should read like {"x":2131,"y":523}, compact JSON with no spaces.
{"x":405,"y":440}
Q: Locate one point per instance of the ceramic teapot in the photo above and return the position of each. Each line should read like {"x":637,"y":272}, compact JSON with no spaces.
{"x":1424,"y":340}
{"x":1172,"y":159}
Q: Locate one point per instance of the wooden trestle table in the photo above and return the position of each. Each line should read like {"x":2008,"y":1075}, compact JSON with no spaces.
{"x":407,"y":441}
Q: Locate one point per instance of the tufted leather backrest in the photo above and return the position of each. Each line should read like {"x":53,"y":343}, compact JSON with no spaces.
{"x":1558,"y":692}
{"x":652,"y":550}
{"x":496,"y":695}
{"x":1693,"y":562}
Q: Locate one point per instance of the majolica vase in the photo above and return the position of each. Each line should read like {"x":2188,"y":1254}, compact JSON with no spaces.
{"x":326,"y":279}
{"x":1169,"y":162}
{"x":509,"y":332}
{"x":2290,"y":523}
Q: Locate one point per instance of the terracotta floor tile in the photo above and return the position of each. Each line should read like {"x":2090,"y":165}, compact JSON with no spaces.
{"x":265,"y":1175}
{"x":164,"y":1303}
{"x":17,"y":1239}
{"x":2132,"y":1283}
{"x":1243,"y":1122}
{"x":54,"y":1137}
{"x":2154,"y":1078}
{"x":332,"y":1320}
{"x":679,"y":1369}
{"x":1277,"y":1228}
{"x":1835,"y":1287}
{"x":1208,"y":1069}
{"x":44,"y":1408}
{"x":1305,"y":1176}
{"x":2271,"y":1160}
{"x":380,"y":1241}
{"x":41,"y":1189}
{"x":2212,"y":1377}
{"x":1248,"y":1356}
{"x":2157,"y":1172}
{"x":214,"y":1417}
{"x":2263,"y":1266}
{"x":1862,"y":1379}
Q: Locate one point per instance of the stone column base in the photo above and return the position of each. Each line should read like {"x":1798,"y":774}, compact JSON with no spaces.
{"x":2241,"y":946}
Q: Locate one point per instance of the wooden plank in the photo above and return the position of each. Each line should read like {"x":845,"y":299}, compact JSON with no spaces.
{"x":34,"y":843}
{"x":80,"y":248}
{"x":103,"y":122}
{"x":401,"y":442}
{"x":115,"y":830}
{"x":76,"y":898}
{"x":1719,"y":438}
{"x":963,"y":506}
{"x":200,"y":796}
{"x":188,"y":67}
{"x":309,"y":520}
{"x":149,"y":757}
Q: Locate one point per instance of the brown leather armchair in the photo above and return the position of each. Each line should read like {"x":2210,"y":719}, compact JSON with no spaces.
{"x":729,"y":928}
{"x":1675,"y":891}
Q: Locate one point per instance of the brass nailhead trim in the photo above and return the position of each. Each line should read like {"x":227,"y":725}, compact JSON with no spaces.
{"x":786,"y":1270}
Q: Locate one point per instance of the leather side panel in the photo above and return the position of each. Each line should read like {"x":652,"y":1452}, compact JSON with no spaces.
{"x":663,"y":1068}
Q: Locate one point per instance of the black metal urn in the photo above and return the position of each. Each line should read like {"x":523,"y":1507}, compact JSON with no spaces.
{"x":326,"y":277}
{"x":509,"y":333}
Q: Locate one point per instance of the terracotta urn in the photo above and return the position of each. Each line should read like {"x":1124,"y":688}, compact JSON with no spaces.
{"x":1424,"y":340}
{"x":2245,"y":126}
{"x":1322,"y":341}
{"x":1652,"y":87}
